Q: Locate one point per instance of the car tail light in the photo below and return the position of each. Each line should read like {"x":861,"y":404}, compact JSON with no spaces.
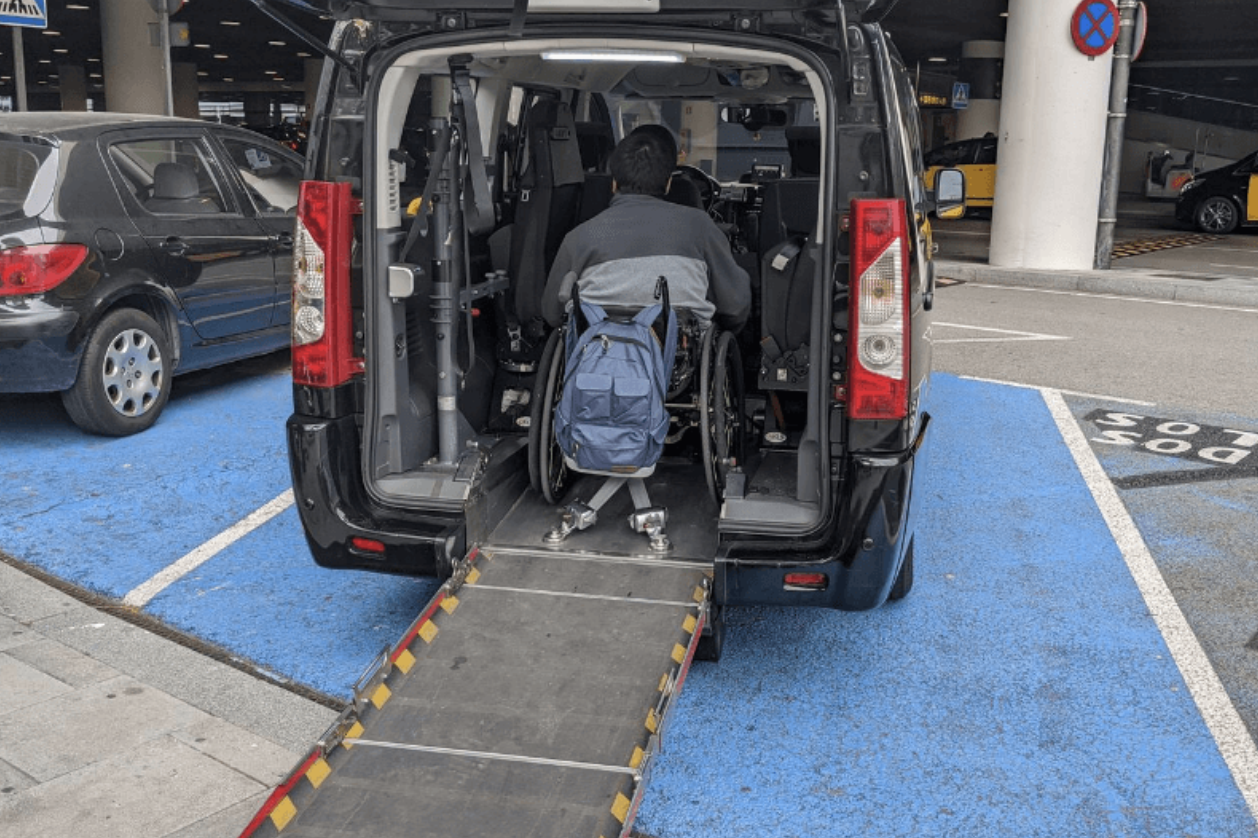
{"x":878,"y":331}
{"x":322,"y":319}
{"x":38,"y":268}
{"x":367,"y":545}
{"x":805,"y":581}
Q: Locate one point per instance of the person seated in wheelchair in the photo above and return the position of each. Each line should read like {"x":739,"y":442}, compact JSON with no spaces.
{"x":619,"y":255}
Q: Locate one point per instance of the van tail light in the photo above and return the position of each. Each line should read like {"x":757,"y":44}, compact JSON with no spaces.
{"x":35,"y":269}
{"x":879,"y":331}
{"x":322,"y":319}
{"x":805,"y":582}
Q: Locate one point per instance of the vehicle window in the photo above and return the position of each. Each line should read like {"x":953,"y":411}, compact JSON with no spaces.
{"x":953,"y":154}
{"x":19,"y":164}
{"x":271,"y":180}
{"x":986,"y":152}
{"x":169,"y":176}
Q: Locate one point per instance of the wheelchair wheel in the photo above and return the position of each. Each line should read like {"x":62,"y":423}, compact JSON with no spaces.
{"x":720,"y":409}
{"x":547,"y":471}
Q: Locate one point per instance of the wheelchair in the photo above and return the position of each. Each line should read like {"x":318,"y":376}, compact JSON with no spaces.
{"x":705,"y":396}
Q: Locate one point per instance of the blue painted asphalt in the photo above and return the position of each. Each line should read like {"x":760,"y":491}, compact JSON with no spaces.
{"x":1021,"y":689}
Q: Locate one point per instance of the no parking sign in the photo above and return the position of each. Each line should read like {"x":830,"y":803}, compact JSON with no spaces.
{"x":1094,"y":26}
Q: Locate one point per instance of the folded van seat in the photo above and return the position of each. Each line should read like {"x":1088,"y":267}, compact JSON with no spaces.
{"x":788,"y":218}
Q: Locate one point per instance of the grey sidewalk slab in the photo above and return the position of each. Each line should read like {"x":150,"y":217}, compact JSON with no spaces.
{"x":1185,"y":287}
{"x":107,"y":729}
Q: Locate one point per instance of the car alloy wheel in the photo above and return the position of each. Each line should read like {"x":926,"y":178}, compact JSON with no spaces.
{"x":1217,"y":215}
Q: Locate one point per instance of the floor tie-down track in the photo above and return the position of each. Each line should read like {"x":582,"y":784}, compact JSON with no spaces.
{"x":528,"y":699}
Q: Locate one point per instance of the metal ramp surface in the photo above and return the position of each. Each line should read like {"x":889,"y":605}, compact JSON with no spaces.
{"x":526,"y":700}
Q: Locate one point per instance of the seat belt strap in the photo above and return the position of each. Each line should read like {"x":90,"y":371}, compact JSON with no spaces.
{"x":479,"y":216}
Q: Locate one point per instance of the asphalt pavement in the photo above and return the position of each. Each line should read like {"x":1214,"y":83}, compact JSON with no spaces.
{"x":981,"y":705}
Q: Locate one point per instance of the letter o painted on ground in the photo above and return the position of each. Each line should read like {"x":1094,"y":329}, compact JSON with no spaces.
{"x":1168,"y":446}
{"x":1178,"y":428}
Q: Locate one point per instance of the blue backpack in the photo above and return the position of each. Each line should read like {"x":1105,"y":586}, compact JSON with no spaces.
{"x":611,"y":417}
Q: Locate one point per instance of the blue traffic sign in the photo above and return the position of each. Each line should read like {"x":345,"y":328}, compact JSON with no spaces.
{"x":32,"y":13}
{"x":960,"y":95}
{"x":1094,"y":26}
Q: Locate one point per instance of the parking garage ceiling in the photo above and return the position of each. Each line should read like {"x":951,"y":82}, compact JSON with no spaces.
{"x":1204,"y":47}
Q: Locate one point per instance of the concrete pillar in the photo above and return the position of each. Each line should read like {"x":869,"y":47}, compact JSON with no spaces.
{"x":313,"y":69}
{"x":134,"y":72}
{"x":72,"y":80}
{"x":186,"y":89}
{"x":1052,"y":142}
{"x":982,"y":63}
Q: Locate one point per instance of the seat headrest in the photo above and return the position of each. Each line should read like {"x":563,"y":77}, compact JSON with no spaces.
{"x":804,"y":144}
{"x":597,"y":144}
{"x":174,"y":181}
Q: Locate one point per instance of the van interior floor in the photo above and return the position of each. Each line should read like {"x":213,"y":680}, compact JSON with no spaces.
{"x":678,"y":487}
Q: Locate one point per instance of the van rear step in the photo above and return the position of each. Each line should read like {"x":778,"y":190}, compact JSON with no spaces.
{"x":527,"y":699}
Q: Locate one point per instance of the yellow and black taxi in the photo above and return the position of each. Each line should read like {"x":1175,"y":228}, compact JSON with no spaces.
{"x":1220,"y":200}
{"x":977,"y":159}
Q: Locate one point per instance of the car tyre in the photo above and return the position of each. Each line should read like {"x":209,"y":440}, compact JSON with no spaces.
{"x":124,"y":376}
{"x":903,"y":582}
{"x":1217,"y":215}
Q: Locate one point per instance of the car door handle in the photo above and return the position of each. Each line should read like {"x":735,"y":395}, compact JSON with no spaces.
{"x":175,"y":246}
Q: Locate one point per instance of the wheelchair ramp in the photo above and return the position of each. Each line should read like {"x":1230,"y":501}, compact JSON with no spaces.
{"x":528,"y":699}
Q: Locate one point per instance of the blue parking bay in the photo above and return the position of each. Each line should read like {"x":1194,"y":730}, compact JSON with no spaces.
{"x":1021,"y":689}
{"x":107,"y":513}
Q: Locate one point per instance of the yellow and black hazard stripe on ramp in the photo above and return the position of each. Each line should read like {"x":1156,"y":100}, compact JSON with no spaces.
{"x":1140,"y":247}
{"x":528,"y":700}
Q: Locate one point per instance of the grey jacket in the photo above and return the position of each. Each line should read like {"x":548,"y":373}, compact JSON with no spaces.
{"x":620,"y":254}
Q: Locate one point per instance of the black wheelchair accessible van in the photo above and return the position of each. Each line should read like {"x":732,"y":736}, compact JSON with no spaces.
{"x":453,"y":148}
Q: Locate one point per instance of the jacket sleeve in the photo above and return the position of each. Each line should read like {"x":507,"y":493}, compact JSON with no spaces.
{"x":729,"y":287}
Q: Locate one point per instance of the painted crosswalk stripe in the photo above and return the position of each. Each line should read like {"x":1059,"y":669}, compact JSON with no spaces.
{"x":142,"y":594}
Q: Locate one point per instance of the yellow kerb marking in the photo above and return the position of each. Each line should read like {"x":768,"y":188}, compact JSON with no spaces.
{"x":380,"y":696}
{"x":689,"y":624}
{"x":636,"y":759}
{"x":472,"y":576}
{"x":353,"y":733}
{"x":663,"y":682}
{"x":318,"y":772}
{"x":698,"y":593}
{"x":679,"y":653}
{"x":405,"y":660}
{"x":620,"y":809}
{"x":652,"y":721}
{"x":428,"y":631}
{"x":449,"y":604}
{"x":283,"y":813}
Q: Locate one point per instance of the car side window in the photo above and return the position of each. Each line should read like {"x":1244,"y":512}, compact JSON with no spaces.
{"x":169,"y":176}
{"x":272,"y":181}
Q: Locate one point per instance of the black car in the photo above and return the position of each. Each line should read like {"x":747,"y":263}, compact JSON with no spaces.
{"x":1221,"y":200}
{"x":425,"y":378}
{"x":133,"y":248}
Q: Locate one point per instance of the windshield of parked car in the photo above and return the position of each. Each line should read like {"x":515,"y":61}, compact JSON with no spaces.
{"x":19,"y":172}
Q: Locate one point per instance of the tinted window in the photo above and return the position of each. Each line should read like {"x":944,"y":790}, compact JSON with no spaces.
{"x":169,"y":176}
{"x":986,"y":152}
{"x":271,"y":180}
{"x":19,"y":164}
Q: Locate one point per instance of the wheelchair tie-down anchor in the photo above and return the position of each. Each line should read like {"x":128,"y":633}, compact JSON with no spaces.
{"x":645,"y":518}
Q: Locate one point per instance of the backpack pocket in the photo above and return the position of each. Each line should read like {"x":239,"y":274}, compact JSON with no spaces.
{"x":631,"y":402}
{"x":593,"y":400}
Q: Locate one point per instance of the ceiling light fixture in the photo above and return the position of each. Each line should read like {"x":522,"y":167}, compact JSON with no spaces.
{"x":619,"y":56}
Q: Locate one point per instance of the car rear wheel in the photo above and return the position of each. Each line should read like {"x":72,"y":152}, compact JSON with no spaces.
{"x":124,"y":377}
{"x":1217,"y":215}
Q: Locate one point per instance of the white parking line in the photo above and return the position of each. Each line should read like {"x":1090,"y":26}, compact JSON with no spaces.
{"x":1039,"y":389}
{"x":1213,"y":702}
{"x":142,"y":594}
{"x":1008,"y":335}
{"x":1092,"y":296}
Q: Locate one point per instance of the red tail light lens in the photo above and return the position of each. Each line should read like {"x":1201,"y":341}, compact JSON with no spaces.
{"x":878,"y":331}
{"x":38,"y":268}
{"x":367,"y":545}
{"x":322,"y":320}
{"x":805,"y":581}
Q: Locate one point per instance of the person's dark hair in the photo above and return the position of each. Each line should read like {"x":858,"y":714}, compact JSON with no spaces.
{"x":662,"y":135}
{"x":641,"y":165}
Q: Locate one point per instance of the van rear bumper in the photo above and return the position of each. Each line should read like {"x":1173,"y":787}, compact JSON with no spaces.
{"x":860,"y":553}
